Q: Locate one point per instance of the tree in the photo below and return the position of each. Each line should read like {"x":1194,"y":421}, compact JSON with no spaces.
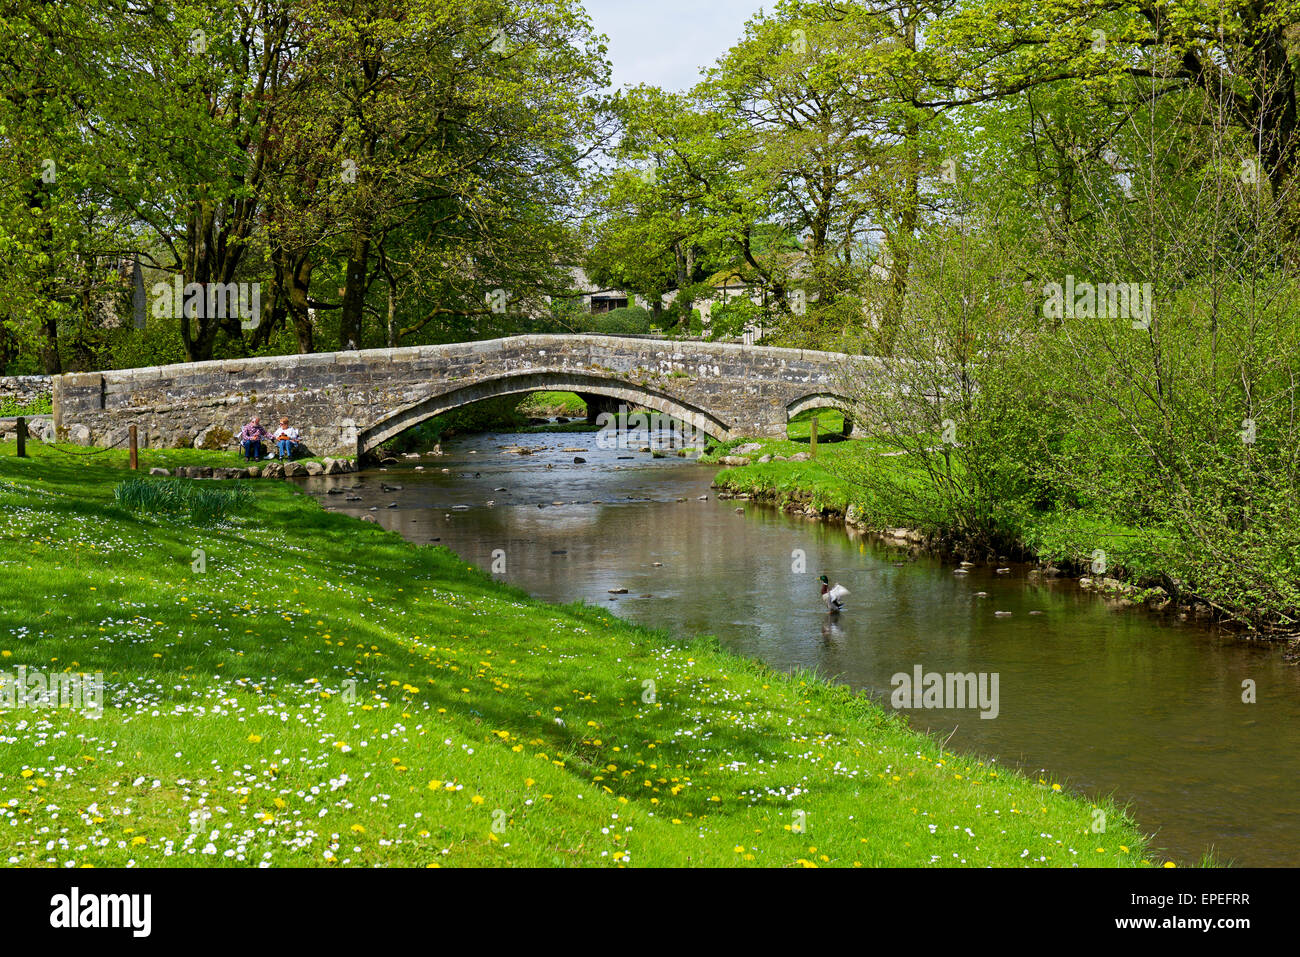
{"x":1241,"y":53}
{"x":461,"y":128}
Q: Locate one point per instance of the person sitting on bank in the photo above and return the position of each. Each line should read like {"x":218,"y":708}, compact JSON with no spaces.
{"x":286,"y":439}
{"x":250,"y":438}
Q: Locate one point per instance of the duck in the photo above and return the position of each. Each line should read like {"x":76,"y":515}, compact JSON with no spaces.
{"x":833,"y":597}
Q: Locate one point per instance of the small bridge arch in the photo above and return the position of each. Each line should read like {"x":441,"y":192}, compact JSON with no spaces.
{"x":822,"y":400}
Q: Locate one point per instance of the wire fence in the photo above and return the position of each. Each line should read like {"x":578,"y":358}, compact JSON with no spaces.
{"x":26,"y":433}
{"x":55,"y":446}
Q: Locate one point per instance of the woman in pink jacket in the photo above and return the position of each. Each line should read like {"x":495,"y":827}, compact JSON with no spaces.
{"x":250,"y":437}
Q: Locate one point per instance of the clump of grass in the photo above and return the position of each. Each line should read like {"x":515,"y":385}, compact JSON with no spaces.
{"x":203,"y":504}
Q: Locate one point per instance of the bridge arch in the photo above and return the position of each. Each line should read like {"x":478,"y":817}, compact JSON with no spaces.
{"x":822,"y":400}
{"x":538,"y":381}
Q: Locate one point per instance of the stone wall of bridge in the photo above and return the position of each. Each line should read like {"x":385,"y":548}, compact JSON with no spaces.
{"x":346,"y":403}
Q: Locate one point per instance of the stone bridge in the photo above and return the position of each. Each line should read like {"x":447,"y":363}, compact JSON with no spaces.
{"x":346,"y":403}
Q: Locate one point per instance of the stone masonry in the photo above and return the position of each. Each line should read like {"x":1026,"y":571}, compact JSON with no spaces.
{"x":24,"y":389}
{"x":346,"y":403}
{"x":21,"y":391}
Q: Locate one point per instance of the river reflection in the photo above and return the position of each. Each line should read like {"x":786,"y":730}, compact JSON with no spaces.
{"x":1113,"y":700}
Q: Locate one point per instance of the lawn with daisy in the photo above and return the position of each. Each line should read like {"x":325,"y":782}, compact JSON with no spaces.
{"x":287,"y":686}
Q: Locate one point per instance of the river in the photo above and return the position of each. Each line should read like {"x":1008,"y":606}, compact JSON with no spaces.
{"x":1111,"y":700}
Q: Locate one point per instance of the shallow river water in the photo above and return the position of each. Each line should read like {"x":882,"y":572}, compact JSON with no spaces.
{"x":1112,"y":701}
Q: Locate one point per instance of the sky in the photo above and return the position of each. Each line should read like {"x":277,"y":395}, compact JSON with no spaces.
{"x":666,"y":42}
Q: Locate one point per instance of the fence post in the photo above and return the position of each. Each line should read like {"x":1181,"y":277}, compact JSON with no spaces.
{"x":812,"y":438}
{"x":135,"y":448}
{"x":21,"y":431}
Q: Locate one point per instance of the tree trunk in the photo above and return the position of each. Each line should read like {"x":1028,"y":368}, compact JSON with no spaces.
{"x":300,"y":283}
{"x":391,"y":338}
{"x":354,"y":292}
{"x":685,"y":255}
{"x":48,"y":327}
{"x":273,"y":311}
{"x":50,"y":361}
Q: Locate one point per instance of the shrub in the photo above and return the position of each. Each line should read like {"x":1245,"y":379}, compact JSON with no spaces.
{"x":624,"y":321}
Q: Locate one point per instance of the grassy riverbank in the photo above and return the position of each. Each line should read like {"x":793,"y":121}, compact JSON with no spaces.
{"x":293,"y":687}
{"x":1068,"y":539}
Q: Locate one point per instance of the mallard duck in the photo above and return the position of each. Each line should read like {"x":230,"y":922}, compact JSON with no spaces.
{"x":833,"y":597}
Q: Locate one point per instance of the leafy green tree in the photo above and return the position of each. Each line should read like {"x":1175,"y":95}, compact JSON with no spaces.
{"x":463,"y":126}
{"x":1239,"y":53}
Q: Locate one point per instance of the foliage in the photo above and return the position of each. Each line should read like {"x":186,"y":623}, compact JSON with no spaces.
{"x":42,"y":406}
{"x":1160,"y":403}
{"x":626,"y":320}
{"x":553,"y":403}
{"x":376,"y":171}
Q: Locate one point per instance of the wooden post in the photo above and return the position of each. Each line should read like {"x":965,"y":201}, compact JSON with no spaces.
{"x":812,"y":438}
{"x":135,"y":448}
{"x":21,"y":431}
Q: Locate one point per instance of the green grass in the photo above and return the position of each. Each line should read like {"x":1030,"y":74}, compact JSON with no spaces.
{"x":148,"y":458}
{"x":288,"y":686}
{"x":553,"y":403}
{"x":829,"y":424}
{"x":814,"y":482}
